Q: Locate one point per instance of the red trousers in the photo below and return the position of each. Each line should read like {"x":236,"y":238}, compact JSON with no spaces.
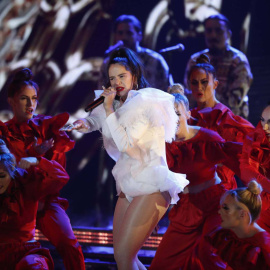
{"x":54,"y":223}
{"x":25,"y":256}
{"x":183,"y":245}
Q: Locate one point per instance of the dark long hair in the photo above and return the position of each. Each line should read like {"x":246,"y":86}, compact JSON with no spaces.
{"x":20,"y":80}
{"x":128,"y":59}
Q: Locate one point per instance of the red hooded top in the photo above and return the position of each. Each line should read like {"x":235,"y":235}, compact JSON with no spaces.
{"x":252,"y":253}
{"x":18,"y":205}
{"x":229,"y":126}
{"x":20,"y":137}
{"x":200,"y":156}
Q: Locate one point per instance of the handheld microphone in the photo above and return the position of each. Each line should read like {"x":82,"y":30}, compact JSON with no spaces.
{"x":113,"y":47}
{"x":91,"y":106}
{"x":179,"y":47}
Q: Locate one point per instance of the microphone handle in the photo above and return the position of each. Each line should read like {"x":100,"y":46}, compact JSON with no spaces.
{"x":91,"y":106}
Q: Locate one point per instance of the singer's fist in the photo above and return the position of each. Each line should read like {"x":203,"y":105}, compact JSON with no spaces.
{"x":109,"y":94}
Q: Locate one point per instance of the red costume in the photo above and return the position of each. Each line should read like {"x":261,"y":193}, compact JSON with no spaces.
{"x":229,"y":126}
{"x":52,"y":220}
{"x":18,"y":208}
{"x":195,"y":214}
{"x":255,"y":164}
{"x":252,"y":253}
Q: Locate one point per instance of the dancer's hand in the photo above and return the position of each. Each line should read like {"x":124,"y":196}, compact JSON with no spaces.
{"x":27,"y":162}
{"x":42,"y":148}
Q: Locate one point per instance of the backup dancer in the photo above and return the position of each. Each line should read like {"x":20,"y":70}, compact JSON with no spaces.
{"x":196,"y":152}
{"x":255,"y":163}
{"x":20,"y":192}
{"x":27,"y":134}
{"x":212,"y":114}
{"x":241,"y":242}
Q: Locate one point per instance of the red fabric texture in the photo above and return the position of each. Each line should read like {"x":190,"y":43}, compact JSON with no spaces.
{"x":183,"y":245}
{"x":195,"y":215}
{"x":255,"y":159}
{"x":21,"y":256}
{"x":18,"y":206}
{"x":55,"y":224}
{"x":199,"y":156}
{"x":264,"y":219}
{"x":251,"y":253}
{"x":19,"y":203}
{"x":229,"y":126}
{"x":20,"y":138}
{"x":255,"y":164}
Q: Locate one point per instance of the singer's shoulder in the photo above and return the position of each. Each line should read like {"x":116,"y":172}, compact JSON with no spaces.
{"x":152,"y":92}
{"x":153,"y":95}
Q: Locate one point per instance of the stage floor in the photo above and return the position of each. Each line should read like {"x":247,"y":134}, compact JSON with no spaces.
{"x":97,"y":246}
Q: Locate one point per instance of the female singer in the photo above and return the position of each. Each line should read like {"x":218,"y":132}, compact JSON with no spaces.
{"x":27,"y":134}
{"x":241,"y":242}
{"x":134,"y":131}
{"x":20,"y":192}
{"x":212,"y":114}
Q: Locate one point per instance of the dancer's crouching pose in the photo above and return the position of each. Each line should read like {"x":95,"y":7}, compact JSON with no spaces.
{"x":20,"y":192}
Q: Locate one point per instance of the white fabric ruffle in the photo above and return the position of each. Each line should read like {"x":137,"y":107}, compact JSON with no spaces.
{"x":134,"y":136}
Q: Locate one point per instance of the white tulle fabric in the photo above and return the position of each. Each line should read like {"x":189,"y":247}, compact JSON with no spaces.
{"x":134,"y":136}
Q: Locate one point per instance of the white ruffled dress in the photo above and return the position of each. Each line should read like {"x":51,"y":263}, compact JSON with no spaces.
{"x":134,"y":136}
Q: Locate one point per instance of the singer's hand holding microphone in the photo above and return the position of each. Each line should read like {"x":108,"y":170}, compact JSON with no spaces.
{"x":109,"y":95}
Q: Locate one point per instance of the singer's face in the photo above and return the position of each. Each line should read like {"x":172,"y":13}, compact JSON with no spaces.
{"x":24,"y":103}
{"x":202,"y":86}
{"x":121,"y":80}
{"x":128,"y":34}
{"x":216,"y":34}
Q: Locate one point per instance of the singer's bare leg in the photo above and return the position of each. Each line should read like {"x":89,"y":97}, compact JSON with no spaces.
{"x":133,"y":223}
